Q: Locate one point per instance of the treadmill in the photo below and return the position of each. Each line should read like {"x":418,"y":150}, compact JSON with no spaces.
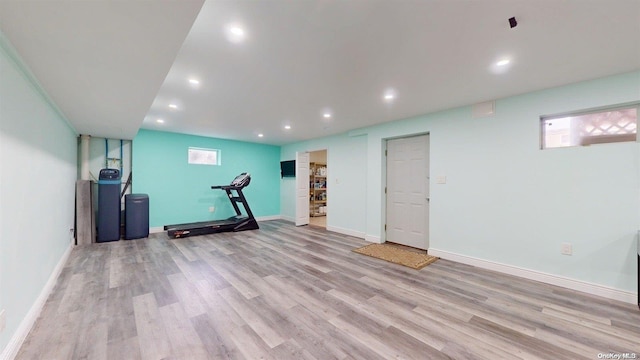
{"x":239,"y":222}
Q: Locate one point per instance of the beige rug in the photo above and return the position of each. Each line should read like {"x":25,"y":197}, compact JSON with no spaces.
{"x":395,"y":255}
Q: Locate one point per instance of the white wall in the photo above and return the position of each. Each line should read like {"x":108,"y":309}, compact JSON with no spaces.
{"x":505,"y":200}
{"x":37,"y":176}
{"x":346,"y":190}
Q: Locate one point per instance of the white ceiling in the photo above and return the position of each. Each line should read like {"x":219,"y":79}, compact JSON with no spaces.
{"x":101,"y":62}
{"x":104,"y":62}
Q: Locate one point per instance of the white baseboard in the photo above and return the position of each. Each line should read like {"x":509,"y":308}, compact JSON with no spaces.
{"x":269,"y":218}
{"x":10,"y":352}
{"x":373,"y":239}
{"x":155,"y":230}
{"x":583,"y":286}
{"x":349,"y":232}
{"x":288,"y":218}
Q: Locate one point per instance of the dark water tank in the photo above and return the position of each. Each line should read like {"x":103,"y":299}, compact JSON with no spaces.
{"x":136,"y":210}
{"x":109,"y":205}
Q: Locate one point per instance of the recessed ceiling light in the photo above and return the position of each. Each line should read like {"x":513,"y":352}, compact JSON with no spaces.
{"x":287,"y":127}
{"x":194,"y":82}
{"x":326,"y":115}
{"x":260,"y":135}
{"x":235,"y":33}
{"x":502,"y":65}
{"x":173,"y":106}
{"x":160,"y":121}
{"x":389,"y":95}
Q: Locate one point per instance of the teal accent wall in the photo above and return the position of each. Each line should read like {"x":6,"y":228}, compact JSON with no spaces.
{"x":505,"y":200}
{"x":38,"y":152}
{"x":180,"y":192}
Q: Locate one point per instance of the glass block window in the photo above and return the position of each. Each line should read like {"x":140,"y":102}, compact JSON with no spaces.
{"x":204,"y":156}
{"x":615,"y":124}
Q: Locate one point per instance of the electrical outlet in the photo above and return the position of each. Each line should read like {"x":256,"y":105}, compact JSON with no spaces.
{"x":212,"y":208}
{"x":3,"y":320}
{"x":566,"y":249}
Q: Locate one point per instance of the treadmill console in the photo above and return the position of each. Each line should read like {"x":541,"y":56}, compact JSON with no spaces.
{"x":241,"y":180}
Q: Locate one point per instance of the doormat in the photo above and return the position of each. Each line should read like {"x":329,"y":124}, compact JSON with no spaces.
{"x":395,"y":255}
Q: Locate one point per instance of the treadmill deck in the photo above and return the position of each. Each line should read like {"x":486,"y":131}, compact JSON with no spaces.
{"x":205,"y":224}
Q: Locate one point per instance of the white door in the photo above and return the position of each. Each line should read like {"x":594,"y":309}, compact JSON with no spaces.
{"x":302,"y":188}
{"x":408,"y":191}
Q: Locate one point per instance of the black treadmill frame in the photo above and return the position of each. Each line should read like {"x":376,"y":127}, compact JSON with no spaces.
{"x":239,"y":222}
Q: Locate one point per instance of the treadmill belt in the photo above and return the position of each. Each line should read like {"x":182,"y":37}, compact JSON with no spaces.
{"x":203,"y":224}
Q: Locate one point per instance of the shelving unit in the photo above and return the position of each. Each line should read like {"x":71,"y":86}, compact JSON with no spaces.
{"x":317,"y":189}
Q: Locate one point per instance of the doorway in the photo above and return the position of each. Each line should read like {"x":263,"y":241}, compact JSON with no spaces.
{"x":311,"y":188}
{"x":407,"y":209}
{"x":318,"y":187}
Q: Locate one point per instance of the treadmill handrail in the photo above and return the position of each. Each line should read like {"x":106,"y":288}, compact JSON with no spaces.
{"x":224,"y":187}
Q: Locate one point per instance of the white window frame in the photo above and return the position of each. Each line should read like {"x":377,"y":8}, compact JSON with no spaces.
{"x":204,"y":156}
{"x":605,"y":138}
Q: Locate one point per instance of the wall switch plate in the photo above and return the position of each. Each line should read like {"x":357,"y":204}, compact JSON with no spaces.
{"x":566,"y":249}
{"x":3,"y":320}
{"x":212,"y":208}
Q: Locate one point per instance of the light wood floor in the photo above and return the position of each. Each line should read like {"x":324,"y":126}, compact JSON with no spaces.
{"x":283,"y":292}
{"x":320,"y":221}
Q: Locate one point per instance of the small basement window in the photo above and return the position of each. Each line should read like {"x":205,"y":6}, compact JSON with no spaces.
{"x":202,"y":156}
{"x":605,"y":125}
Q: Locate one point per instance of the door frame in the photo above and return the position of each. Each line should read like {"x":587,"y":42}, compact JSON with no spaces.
{"x":307,"y":175}
{"x":383,"y":159}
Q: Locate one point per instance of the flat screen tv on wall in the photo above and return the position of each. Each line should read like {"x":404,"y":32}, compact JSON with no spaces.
{"x":288,"y":168}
